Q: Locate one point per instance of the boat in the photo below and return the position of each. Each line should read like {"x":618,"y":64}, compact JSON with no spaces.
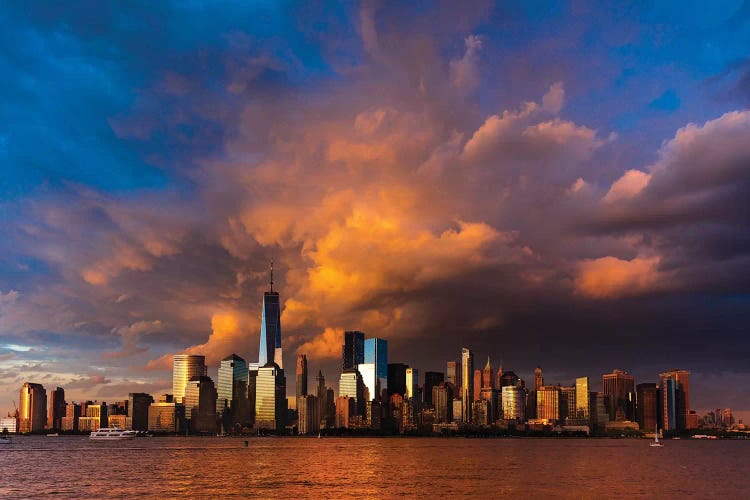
{"x":318,"y":435}
{"x":53,"y":435}
{"x":655,"y":443}
{"x":111,"y":434}
{"x":5,"y":440}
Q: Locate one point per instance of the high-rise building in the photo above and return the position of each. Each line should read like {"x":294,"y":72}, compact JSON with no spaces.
{"x":396,"y":378}
{"x":412,"y":383}
{"x":270,"y":329}
{"x":568,"y":403}
{"x":467,"y":384}
{"x":252,"y":385}
{"x":598,"y":405}
{"x":308,"y":410}
{"x":619,"y":387}
{"x":70,"y":420}
{"x":344,"y":411}
{"x":681,"y":397}
{"x":647,"y":406}
{"x":442,"y":400}
{"x":200,"y":404}
{"x":270,"y":398}
{"x":231,"y":387}
{"x":351,"y":384}
{"x":184,"y":368}
{"x":583,"y":412}
{"x":375,"y":368}
{"x":166,"y":416}
{"x":488,"y":379}
{"x":477,"y":384}
{"x":453,"y":373}
{"x":301,"y":375}
{"x":32,"y":409}
{"x":138,"y":404}
{"x":322,"y":395}
{"x":514,"y":403}
{"x":538,"y":378}
{"x":548,"y":402}
{"x":509,"y":378}
{"x":353,"y":350}
{"x":431,"y":379}
{"x":56,"y":409}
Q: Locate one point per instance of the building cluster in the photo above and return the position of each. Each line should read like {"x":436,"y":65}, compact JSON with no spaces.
{"x":372,"y":394}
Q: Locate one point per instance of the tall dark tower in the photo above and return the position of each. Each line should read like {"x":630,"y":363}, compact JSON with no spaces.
{"x":353,"y":350}
{"x":301,"y":375}
{"x":270,"y":329}
{"x":538,"y":378}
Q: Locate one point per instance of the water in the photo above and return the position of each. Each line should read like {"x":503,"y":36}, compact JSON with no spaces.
{"x":75,"y":467}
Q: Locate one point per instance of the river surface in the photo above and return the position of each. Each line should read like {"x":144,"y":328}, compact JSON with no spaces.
{"x":75,"y":467}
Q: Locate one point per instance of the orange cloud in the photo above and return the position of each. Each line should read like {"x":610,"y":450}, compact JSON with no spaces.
{"x":627,"y":186}
{"x":325,"y":345}
{"x":609,"y":277}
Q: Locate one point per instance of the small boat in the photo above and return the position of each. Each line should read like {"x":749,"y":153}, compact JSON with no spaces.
{"x":112,"y":434}
{"x":655,"y":443}
{"x":5,"y":440}
{"x":53,"y":435}
{"x":318,"y":435}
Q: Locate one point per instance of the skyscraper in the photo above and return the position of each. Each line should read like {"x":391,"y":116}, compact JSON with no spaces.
{"x":200,"y":404}
{"x":412,"y":383}
{"x":619,"y":386}
{"x":567,"y":403}
{"x":487,"y":378}
{"x":396,"y":378}
{"x":467,"y":384}
{"x":431,"y":379}
{"x":270,"y":398}
{"x":232,"y":383}
{"x":350,"y":384}
{"x":301,"y":375}
{"x":32,"y":409}
{"x":270,"y":329}
{"x":477,"y":383}
{"x":647,"y":406}
{"x":375,"y":368}
{"x":184,"y":368}
{"x":353,"y":350}
{"x":321,"y":393}
{"x":583,"y":412}
{"x":681,"y":396}
{"x":138,"y":404}
{"x":453,"y":373}
{"x":56,"y":409}
{"x":548,"y":402}
{"x":514,"y":403}
{"x":538,"y":378}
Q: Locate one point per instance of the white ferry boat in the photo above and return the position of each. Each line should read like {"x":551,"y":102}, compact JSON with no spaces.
{"x":112,"y":433}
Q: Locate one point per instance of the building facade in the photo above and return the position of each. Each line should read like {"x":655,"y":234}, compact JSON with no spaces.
{"x":184,"y":368}
{"x":467,"y":382}
{"x":270,"y":399}
{"x":270,"y":329}
{"x":353,"y":350}
{"x":513,"y":403}
{"x":32,"y":408}
{"x":619,"y":388}
{"x":647,"y":406}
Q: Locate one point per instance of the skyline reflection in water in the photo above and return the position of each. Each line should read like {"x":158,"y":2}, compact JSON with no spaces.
{"x":74,"y":467}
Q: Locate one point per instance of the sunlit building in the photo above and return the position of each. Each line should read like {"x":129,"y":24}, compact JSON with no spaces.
{"x":32,"y":408}
{"x":89,"y":424}
{"x":270,"y":329}
{"x":513,"y":403}
{"x":467,"y":383}
{"x":548,"y":403}
{"x":488,"y":375}
{"x":619,"y":387}
{"x":9,"y":425}
{"x":538,"y":378}
{"x":412,"y":383}
{"x":431,"y":379}
{"x":70,"y":420}
{"x":184,"y":368}
{"x":56,"y":409}
{"x":231,"y":390}
{"x":121,"y":421}
{"x":301,"y":375}
{"x":270,"y":399}
{"x":583,"y":413}
{"x":477,"y":385}
{"x":375,"y":368}
{"x":138,"y":404}
{"x":458,"y":410}
{"x":166,"y":416}
{"x":352,"y":385}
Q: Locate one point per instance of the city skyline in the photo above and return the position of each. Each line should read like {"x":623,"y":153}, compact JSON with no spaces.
{"x":547,"y":184}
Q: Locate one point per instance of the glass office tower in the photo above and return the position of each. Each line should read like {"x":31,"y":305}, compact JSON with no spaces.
{"x":233,"y":373}
{"x":583,"y":412}
{"x":353,"y":350}
{"x":376,"y":355}
{"x":184,"y":368}
{"x":467,"y":384}
{"x":270,"y":398}
{"x":270,"y":329}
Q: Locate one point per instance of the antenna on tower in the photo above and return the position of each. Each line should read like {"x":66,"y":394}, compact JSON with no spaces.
{"x":271,"y":275}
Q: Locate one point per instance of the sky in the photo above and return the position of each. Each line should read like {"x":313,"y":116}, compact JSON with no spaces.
{"x":564,"y":185}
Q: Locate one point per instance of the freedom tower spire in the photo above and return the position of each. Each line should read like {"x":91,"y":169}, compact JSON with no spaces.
{"x":270,"y":328}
